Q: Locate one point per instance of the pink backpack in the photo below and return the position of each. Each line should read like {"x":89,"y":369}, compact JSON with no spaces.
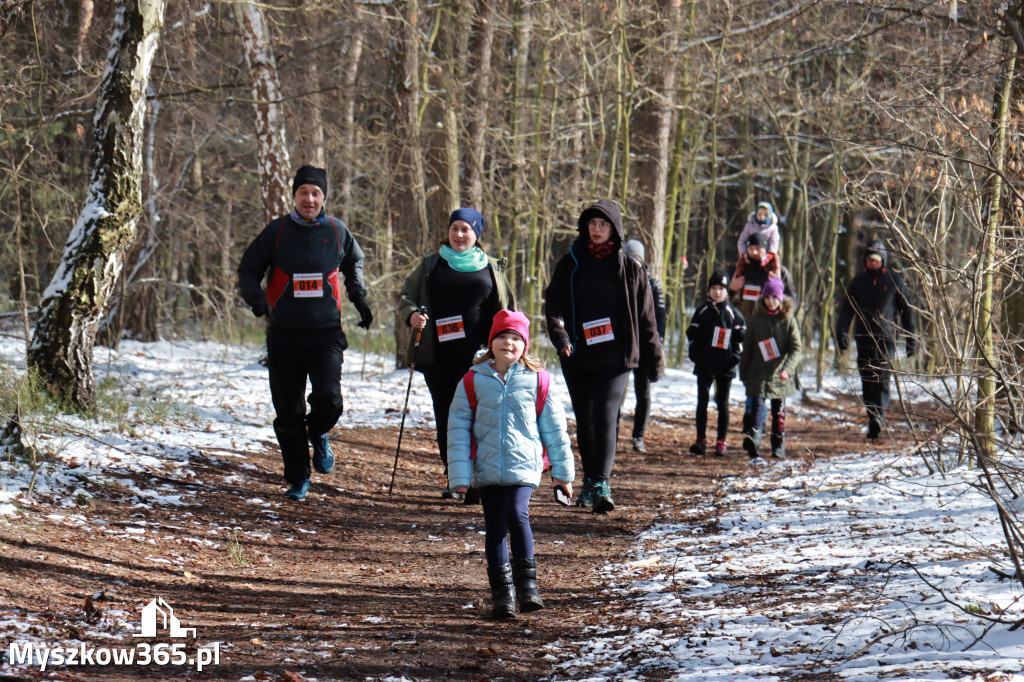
{"x":543,"y":383}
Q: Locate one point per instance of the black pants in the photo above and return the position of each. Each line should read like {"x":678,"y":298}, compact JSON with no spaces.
{"x":595,"y":396}
{"x":874,"y":360}
{"x":722,"y":385}
{"x":293,"y":356}
{"x":506,"y":514}
{"x":443,"y":380}
{"x":642,"y":389}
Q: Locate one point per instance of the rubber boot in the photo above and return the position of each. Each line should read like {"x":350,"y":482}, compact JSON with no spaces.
{"x":503,"y":592}
{"x":752,"y":443}
{"x":524,"y":575}
{"x":779,"y":445}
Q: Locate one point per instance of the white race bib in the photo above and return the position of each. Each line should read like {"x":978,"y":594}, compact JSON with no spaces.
{"x":769,"y":349}
{"x":751,"y":292}
{"x":308,"y":285}
{"x":720,"y":337}
{"x":598,"y":331}
{"x":451,"y":328}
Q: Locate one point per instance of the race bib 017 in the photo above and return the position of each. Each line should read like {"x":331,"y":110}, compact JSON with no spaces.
{"x":308,"y":285}
{"x":451,"y":328}
{"x":751,"y":292}
{"x":720,"y":337}
{"x":769,"y":349}
{"x":598,"y":331}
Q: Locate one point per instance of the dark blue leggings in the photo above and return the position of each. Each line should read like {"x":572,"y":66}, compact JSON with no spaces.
{"x":507,"y":513}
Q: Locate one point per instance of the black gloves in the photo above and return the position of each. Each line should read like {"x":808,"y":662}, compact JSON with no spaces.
{"x":842,"y":342}
{"x":365,"y":315}
{"x":260,"y":307}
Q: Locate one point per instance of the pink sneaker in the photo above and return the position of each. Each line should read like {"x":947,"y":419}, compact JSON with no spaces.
{"x":720,"y":448}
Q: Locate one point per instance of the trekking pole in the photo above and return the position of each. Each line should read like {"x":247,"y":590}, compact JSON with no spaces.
{"x":405,"y":408}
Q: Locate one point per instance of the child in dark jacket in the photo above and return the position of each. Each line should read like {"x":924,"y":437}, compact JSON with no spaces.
{"x":716,"y":336}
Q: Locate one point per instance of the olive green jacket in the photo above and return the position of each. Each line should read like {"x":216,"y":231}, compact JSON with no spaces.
{"x":416,"y":294}
{"x":760,"y":376}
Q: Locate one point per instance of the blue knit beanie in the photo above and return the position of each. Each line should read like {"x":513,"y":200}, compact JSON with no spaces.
{"x":471,"y":216}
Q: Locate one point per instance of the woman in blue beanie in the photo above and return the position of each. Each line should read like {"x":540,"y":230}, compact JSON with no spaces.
{"x":460,"y":289}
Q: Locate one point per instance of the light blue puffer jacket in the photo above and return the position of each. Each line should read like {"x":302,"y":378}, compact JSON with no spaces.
{"x":508,"y":434}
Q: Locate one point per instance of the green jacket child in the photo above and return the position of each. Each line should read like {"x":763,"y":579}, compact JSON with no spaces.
{"x":768,"y":365}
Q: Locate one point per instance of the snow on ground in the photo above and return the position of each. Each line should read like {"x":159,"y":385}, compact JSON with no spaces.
{"x":860,"y":567}
{"x":866,"y":567}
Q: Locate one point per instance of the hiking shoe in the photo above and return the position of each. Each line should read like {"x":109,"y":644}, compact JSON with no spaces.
{"x":471,"y":496}
{"x":699,"y":447}
{"x":603,"y":502}
{"x":323,"y":458}
{"x":298,"y":491}
{"x":586,"y":496}
{"x":638,"y":444}
{"x":721,"y":450}
{"x":874,"y":428}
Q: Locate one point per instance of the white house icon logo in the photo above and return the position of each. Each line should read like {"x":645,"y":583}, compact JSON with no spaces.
{"x":158,"y":608}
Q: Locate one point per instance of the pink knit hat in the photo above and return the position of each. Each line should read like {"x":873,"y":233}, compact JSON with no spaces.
{"x":510,"y":320}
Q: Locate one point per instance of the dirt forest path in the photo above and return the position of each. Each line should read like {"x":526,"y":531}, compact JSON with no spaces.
{"x":352,"y":584}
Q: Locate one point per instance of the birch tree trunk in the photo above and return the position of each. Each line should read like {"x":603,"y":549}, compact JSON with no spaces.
{"x":73,"y":303}
{"x":271,"y":142}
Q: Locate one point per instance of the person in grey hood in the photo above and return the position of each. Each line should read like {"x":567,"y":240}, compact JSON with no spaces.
{"x":600,"y":318}
{"x":878,"y":304}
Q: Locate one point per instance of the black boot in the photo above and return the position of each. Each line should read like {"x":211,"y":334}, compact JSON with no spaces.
{"x":779,"y":445}
{"x":503,"y":592}
{"x":752,"y":443}
{"x":524,"y":575}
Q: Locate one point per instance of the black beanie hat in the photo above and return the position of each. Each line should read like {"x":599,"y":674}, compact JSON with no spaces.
{"x":718,"y":278}
{"x":310,"y":175}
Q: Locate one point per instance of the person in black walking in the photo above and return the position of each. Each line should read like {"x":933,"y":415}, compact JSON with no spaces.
{"x":600,"y":318}
{"x":302,"y":255}
{"x":641,"y":378}
{"x":716,"y":340}
{"x":878,"y":304}
{"x":459,"y":289}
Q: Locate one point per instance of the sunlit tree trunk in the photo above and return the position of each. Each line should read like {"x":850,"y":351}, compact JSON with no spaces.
{"x":271,"y":140}
{"x":73,"y":303}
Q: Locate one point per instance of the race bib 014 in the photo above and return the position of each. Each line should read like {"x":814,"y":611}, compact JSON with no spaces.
{"x":769,"y":349}
{"x":598,"y":331}
{"x":308,"y":285}
{"x":451,"y":328}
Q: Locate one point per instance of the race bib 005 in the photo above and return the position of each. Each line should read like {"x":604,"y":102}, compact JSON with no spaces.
{"x":720,"y":337}
{"x":769,"y":349}
{"x":751,"y":292}
{"x":451,"y":328}
{"x":598,"y":331}
{"x":308,"y":285}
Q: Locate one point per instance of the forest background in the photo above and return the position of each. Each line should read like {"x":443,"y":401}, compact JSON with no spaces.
{"x":855,"y":119}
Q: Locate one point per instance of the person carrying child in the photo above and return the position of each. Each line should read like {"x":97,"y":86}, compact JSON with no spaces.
{"x":752,"y":270}
{"x":496,"y":443}
{"x":764,"y":222}
{"x":716,"y":338}
{"x":768,"y":363}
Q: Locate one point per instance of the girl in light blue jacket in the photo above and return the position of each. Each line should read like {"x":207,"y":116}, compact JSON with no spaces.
{"x":498,"y":428}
